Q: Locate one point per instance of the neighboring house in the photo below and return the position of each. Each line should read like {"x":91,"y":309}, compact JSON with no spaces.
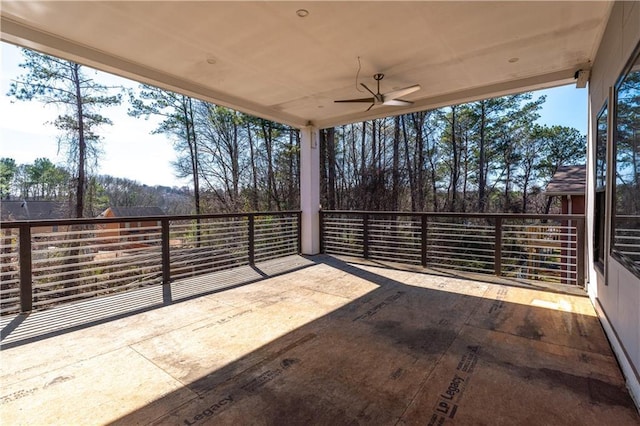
{"x":13,"y":210}
{"x":570,"y":184}
{"x":134,"y":230}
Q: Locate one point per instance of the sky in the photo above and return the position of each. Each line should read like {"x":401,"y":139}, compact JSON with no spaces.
{"x":131,"y":151}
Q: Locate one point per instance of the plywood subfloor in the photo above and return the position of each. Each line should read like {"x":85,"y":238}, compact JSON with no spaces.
{"x":330,"y":343}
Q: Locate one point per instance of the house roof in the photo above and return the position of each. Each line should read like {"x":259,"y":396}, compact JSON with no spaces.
{"x":264,"y":59}
{"x":134,"y":211}
{"x":568,"y":180}
{"x":32,"y":210}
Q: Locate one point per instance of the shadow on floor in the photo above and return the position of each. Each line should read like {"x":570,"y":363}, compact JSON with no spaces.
{"x":20,"y":329}
{"x":428,"y":351}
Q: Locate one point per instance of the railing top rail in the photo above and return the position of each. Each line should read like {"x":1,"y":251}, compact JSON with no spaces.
{"x":94,"y":221}
{"x":461,"y":214}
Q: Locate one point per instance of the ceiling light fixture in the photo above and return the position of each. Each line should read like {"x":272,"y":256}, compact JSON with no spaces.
{"x":211,"y":61}
{"x":303,"y":13}
{"x":514,"y":60}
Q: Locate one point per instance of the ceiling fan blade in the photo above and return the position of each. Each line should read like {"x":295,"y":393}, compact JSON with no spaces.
{"x":356,"y":100}
{"x":401,"y":92}
{"x":370,"y":106}
{"x":369,"y":90}
{"x":397,"y":102}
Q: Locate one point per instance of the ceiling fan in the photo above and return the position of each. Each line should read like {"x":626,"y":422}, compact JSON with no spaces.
{"x":390,"y":98}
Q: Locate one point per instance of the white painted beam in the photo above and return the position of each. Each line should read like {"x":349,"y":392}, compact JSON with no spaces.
{"x":310,"y":189}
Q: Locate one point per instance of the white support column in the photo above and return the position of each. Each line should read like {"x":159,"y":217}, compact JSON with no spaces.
{"x":310,"y":189}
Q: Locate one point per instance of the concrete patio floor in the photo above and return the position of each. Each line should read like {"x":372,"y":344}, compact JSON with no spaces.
{"x":315,"y":341}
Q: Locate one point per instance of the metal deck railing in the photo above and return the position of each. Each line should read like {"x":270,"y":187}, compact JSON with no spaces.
{"x":50,"y":262}
{"x":526,"y":246}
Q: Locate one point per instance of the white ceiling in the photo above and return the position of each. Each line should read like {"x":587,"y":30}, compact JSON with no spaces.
{"x":271,"y":63}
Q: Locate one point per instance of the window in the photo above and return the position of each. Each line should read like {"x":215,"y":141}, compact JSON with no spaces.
{"x":626,"y":220}
{"x":600,"y":189}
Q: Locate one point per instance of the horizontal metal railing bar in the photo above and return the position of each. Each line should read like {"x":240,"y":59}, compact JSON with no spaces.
{"x":57,"y":278}
{"x":349,"y":231}
{"x":352,"y":237}
{"x":539,"y":269}
{"x":59,"y":260}
{"x":456,"y":243}
{"x":193,"y":234}
{"x":348,"y":252}
{"x":405,"y":251}
{"x":89,"y":246}
{"x":447,"y":257}
{"x":277,"y":235}
{"x":93,"y":221}
{"x":95,"y":236}
{"x":511,"y":216}
{"x":410,"y":260}
{"x":512,"y":254}
{"x":344,"y":250}
{"x":194,"y":273}
{"x":555,"y":248}
{"x":202,"y":262}
{"x":205,"y":254}
{"x":347,"y":245}
{"x":530,"y":264}
{"x":209,"y":228}
{"x":207,"y":267}
{"x":200,"y":253}
{"x":460,"y":267}
{"x":276,"y":245}
{"x":88,"y":294}
{"x":556,"y":238}
{"x":553,"y":278}
{"x":391,"y":238}
{"x":395,"y":235}
{"x":96,"y":277}
{"x":344,"y":228}
{"x":445,"y":227}
{"x":459,"y":256}
{"x":456,"y":249}
{"x":460,"y":230}
{"x":277,"y":251}
{"x":539,"y":235}
{"x":7,"y":295}
{"x":102,"y":283}
{"x":202,"y":268}
{"x":96,"y":248}
{"x":126,"y":239}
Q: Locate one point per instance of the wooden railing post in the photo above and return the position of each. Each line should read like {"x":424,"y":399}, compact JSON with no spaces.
{"x":252,"y":244}
{"x":423,"y":240}
{"x":580,"y":252}
{"x":497,"y":260}
{"x":26,"y":280}
{"x":166,"y":252}
{"x":365,"y":235}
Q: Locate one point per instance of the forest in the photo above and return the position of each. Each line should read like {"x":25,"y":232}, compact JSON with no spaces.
{"x":484,"y":156}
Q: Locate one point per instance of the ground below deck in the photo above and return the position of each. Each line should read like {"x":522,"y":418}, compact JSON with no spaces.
{"x":331,"y":343}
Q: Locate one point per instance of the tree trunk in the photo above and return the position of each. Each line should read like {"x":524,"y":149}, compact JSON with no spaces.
{"x":82,"y":144}
{"x":395,"y":172}
{"x":254,"y":170}
{"x":482,"y":177}
{"x":331,"y":168}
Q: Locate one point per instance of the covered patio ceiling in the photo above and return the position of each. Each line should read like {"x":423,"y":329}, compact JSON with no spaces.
{"x":262,"y":58}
